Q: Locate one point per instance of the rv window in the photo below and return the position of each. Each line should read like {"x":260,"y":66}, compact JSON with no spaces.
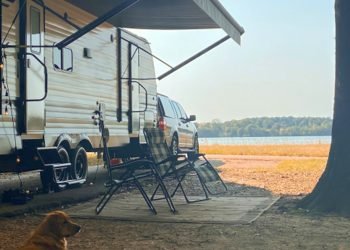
{"x":35,"y":35}
{"x":63,"y":59}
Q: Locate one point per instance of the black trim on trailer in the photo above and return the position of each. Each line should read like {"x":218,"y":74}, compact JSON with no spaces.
{"x":22,"y":59}
{"x":119,"y":73}
{"x":113,"y":12}
{"x":46,"y":79}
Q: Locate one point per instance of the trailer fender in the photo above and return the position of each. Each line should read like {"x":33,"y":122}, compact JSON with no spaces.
{"x":85,"y":142}
{"x":64,"y":140}
{"x":72,"y":142}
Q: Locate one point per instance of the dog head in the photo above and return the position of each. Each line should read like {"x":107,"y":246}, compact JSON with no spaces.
{"x":60,"y":224}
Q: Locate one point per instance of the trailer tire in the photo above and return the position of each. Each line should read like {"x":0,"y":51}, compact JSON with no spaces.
{"x":79,"y":163}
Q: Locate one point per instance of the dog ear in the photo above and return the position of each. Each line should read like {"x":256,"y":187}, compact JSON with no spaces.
{"x":52,"y":223}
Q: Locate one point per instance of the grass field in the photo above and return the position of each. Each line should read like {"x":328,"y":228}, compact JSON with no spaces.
{"x":296,"y":174}
{"x":310,"y":150}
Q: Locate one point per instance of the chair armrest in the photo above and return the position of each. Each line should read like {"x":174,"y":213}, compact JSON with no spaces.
{"x":173,"y":158}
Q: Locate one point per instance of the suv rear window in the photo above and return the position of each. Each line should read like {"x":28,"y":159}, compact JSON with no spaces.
{"x":166,"y":106}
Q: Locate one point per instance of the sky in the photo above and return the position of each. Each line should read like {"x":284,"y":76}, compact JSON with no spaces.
{"x":284,"y":66}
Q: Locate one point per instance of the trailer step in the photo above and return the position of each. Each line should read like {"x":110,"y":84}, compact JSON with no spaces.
{"x":55,"y":174}
{"x":50,"y":158}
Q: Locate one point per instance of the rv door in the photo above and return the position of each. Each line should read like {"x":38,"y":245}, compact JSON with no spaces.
{"x":35,"y":83}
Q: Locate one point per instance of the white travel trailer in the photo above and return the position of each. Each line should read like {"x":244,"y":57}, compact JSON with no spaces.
{"x":60,"y":57}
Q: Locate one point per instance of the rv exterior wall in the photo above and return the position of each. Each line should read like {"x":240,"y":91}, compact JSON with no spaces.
{"x":8,"y":121}
{"x":72,"y":95}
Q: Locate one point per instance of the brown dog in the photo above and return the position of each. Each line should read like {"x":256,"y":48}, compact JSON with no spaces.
{"x":52,"y":232}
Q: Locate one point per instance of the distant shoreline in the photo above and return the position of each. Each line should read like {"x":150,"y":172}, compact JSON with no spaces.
{"x":267,"y":126}
{"x":268,"y":140}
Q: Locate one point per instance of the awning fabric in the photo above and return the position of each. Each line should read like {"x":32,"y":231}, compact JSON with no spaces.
{"x":167,"y":15}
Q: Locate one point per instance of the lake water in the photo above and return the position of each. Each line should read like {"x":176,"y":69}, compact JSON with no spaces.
{"x":266,"y":140}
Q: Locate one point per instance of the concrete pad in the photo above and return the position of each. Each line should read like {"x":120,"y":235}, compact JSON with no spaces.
{"x":217,"y":210}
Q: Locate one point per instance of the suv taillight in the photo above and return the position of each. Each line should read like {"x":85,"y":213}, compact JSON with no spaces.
{"x":161,"y":123}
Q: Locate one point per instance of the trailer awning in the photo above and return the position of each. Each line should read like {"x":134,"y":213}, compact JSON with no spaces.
{"x":167,"y":14}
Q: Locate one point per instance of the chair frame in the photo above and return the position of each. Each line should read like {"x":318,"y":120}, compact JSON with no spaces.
{"x":130,"y":175}
{"x":172,"y":171}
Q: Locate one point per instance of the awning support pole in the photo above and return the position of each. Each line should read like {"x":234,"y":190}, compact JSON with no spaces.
{"x":202,"y":52}
{"x":115,"y":11}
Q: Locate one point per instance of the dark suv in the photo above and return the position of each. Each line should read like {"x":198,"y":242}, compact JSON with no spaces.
{"x":179,"y":129}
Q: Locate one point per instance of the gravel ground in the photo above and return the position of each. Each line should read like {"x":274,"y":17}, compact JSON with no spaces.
{"x":284,"y":226}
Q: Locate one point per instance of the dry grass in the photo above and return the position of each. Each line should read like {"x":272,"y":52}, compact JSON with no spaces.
{"x":281,"y":177}
{"x":303,"y":165}
{"x":92,"y":159}
{"x":310,"y":150}
{"x":284,"y":176}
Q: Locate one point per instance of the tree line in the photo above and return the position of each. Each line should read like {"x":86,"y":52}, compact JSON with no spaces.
{"x":267,"y":126}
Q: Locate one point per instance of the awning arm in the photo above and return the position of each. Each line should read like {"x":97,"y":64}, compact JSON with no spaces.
{"x":202,"y":52}
{"x":113,"y":12}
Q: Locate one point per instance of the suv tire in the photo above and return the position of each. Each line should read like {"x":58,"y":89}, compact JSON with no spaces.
{"x":192,"y":155}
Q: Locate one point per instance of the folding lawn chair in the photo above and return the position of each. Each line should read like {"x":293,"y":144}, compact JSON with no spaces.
{"x":169,"y":166}
{"x":130,"y":172}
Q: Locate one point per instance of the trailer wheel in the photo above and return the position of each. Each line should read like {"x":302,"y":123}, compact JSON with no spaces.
{"x":79,"y":163}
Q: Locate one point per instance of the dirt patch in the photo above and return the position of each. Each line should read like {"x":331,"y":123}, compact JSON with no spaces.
{"x":284,"y":226}
{"x":281,"y":175}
